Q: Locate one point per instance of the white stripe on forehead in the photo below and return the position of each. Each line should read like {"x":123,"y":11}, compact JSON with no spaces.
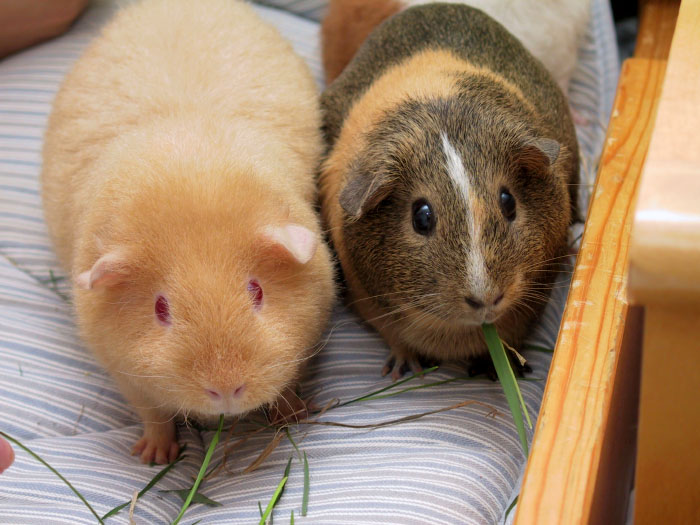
{"x":455,"y":168}
{"x":460,"y":178}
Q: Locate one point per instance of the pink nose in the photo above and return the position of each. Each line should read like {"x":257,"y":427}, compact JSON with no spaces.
{"x":218,"y":395}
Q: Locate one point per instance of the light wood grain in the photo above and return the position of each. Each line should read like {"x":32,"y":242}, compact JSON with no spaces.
{"x":656,"y":26}
{"x":665,"y":279}
{"x":668,"y":459}
{"x":665,"y":245}
{"x":565,"y":464}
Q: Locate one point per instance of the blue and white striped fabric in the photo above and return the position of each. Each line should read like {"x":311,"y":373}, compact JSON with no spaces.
{"x":457,"y":466}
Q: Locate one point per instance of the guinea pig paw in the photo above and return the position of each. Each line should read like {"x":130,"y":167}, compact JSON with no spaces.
{"x":159,"y":447}
{"x":398,"y":364}
{"x":482,"y":365}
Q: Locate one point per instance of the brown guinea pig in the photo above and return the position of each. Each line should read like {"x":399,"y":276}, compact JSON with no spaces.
{"x":178,"y":188}
{"x":449,"y":183}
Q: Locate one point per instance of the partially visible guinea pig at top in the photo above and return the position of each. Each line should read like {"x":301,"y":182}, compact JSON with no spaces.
{"x":549,"y":29}
{"x":449,"y":183}
{"x":178,"y":188}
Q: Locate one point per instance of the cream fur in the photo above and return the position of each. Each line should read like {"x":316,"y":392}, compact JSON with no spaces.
{"x":185,"y":132}
{"x":550,"y":29}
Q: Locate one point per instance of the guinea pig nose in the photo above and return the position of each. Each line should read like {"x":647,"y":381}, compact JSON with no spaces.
{"x":474,"y":303}
{"x":498,"y":300}
{"x":213,"y":394}
{"x":218,"y":395}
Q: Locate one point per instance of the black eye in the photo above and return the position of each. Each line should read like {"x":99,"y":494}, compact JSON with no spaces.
{"x":423,"y":217}
{"x":507,"y":204}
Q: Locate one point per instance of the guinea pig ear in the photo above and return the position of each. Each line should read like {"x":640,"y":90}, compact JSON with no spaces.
{"x":109,"y":270}
{"x":363,"y":192}
{"x":540,"y":152}
{"x":292,"y":240}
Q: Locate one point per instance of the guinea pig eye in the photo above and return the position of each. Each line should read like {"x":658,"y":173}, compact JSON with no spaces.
{"x":162,"y":309}
{"x":507,"y":204}
{"x":256,"y":293}
{"x":423,"y":217}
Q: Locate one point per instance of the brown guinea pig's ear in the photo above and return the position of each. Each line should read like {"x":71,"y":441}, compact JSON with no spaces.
{"x":540,"y":152}
{"x":291,"y":241}
{"x":109,"y":270}
{"x":363,"y":191}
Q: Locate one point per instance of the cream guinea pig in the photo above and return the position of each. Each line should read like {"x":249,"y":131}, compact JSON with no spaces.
{"x":178,"y":188}
{"x":449,"y":184}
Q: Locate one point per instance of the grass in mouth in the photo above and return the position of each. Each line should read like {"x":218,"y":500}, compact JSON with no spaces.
{"x":508,"y":382}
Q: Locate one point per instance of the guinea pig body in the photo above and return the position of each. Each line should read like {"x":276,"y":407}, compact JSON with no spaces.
{"x":549,"y":29}
{"x":178,"y":188}
{"x":449,"y":183}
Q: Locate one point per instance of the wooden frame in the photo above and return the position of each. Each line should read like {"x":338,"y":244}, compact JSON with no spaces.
{"x":665,"y":279}
{"x":582,"y":460}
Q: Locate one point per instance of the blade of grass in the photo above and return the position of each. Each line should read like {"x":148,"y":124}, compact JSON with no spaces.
{"x":149,"y":486}
{"x":510,"y":507}
{"x":269,"y":449}
{"x":391,"y":386}
{"x":285,"y":475}
{"x":260,"y":509}
{"x":305,"y":499}
{"x":514,"y":386}
{"x":428,"y":385}
{"x":289,"y":437}
{"x":273,"y":501}
{"x":36,"y":456}
{"x":538,"y":348}
{"x":286,"y":469}
{"x":508,"y":382}
{"x":404,"y":419}
{"x":202,"y":469}
{"x":291,"y":518}
{"x":198,"y":497}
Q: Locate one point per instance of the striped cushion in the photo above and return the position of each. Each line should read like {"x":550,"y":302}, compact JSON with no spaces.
{"x":458,"y":466}
{"x":311,"y":9}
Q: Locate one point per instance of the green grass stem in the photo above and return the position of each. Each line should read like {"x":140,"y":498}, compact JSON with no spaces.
{"x":40,"y":460}
{"x":273,"y":501}
{"x":508,"y":382}
{"x":202,"y":470}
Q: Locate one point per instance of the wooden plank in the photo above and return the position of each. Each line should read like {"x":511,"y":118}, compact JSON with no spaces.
{"x":656,"y":26}
{"x":563,"y":470}
{"x":665,"y":278}
{"x":665,"y":246}
{"x":617,"y":455}
{"x":668,"y":458}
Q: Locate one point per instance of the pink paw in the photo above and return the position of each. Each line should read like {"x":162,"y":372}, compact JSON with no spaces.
{"x":157,"y":445}
{"x":398,"y":365}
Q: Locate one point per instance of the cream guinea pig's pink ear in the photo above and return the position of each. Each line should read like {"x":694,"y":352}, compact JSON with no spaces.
{"x":292,"y":240}
{"x":109,"y":270}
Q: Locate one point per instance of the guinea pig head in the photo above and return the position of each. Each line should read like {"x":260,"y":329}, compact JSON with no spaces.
{"x":207,"y":294}
{"x":455,"y":213}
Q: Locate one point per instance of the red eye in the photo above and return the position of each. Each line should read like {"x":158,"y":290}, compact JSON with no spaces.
{"x":256,"y":293}
{"x":163,"y":310}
